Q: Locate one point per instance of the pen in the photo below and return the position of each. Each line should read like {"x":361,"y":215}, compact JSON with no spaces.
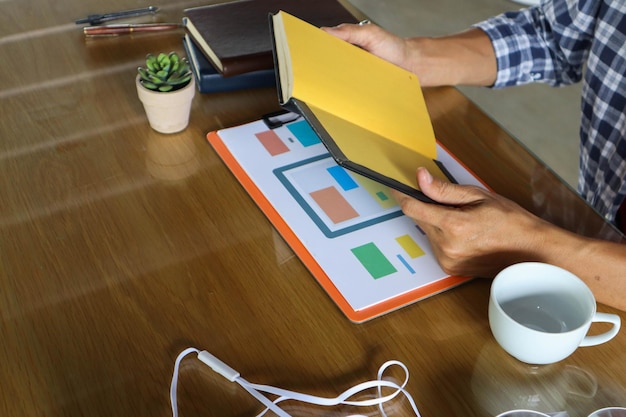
{"x":114,"y":30}
{"x":96,"y":19}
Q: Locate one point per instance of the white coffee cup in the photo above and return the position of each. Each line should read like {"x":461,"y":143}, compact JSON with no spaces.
{"x":541,"y":313}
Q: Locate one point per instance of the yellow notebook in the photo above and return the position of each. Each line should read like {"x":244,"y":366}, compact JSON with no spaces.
{"x":369,"y":113}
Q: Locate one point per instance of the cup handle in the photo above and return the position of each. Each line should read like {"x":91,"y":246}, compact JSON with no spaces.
{"x":606,"y":336}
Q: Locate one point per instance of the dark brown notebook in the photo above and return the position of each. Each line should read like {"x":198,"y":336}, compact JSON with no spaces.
{"x":236,"y":38}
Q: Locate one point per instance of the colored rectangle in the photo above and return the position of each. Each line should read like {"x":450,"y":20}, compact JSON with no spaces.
{"x":345,"y":181}
{"x":406,"y":264}
{"x":271,"y":142}
{"x":334,"y":205}
{"x":410,"y":246}
{"x":304,"y":133}
{"x":373,"y":260}
{"x":379,"y":192}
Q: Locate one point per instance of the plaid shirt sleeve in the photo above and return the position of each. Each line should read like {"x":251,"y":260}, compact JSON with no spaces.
{"x":546,"y":43}
{"x":561,"y":42}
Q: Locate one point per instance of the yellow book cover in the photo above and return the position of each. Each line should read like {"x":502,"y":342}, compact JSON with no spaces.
{"x":371,"y":114}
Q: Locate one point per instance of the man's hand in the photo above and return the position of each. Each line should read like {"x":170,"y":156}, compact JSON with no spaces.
{"x":476,"y":232}
{"x":465,"y":58}
{"x":376,"y":40}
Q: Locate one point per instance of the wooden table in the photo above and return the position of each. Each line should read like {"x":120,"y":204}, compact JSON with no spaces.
{"x":120,"y":247}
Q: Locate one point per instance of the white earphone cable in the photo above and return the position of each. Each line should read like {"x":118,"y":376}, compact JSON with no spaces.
{"x":256,"y":390}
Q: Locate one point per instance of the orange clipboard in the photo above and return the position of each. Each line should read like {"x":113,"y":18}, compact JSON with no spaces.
{"x":357,"y":316}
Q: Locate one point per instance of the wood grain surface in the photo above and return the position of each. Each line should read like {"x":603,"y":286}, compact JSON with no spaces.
{"x":120,"y":247}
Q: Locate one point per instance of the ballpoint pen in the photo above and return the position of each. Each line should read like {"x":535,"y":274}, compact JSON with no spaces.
{"x":125,"y":29}
{"x":96,"y":19}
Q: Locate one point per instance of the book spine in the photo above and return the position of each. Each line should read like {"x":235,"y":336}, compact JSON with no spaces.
{"x":209,"y":80}
{"x":247,"y":63}
{"x":215,"y":83}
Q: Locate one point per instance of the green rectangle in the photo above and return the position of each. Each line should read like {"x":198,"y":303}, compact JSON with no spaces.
{"x":374,"y":261}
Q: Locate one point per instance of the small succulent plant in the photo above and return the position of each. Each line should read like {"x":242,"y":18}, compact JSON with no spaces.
{"x":165,"y":72}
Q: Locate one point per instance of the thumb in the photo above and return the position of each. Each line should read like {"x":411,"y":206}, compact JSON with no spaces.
{"x":446,"y":192}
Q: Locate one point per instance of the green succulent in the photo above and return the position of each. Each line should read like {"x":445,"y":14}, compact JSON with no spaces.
{"x":165,"y":72}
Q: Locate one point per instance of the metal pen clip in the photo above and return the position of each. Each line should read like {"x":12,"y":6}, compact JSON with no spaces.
{"x":96,"y":19}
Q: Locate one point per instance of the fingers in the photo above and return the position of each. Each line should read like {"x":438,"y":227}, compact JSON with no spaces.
{"x":347,"y":31}
{"x":427,"y":215}
{"x":375,"y":40}
{"x":364,"y":36}
{"x":447,"y":193}
{"x":453,"y":197}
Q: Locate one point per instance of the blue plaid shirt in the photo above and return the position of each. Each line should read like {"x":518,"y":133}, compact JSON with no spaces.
{"x":561,"y":42}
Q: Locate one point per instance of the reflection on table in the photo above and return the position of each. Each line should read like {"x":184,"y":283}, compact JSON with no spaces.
{"x":120,"y":247}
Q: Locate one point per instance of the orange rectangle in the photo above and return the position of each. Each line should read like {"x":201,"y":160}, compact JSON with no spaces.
{"x":271,"y":142}
{"x":334,"y":205}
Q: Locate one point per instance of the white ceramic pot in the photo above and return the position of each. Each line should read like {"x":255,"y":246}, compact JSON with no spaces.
{"x":167,"y":112}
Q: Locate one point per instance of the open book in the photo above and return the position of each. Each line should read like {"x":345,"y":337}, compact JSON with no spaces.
{"x":370,"y":114}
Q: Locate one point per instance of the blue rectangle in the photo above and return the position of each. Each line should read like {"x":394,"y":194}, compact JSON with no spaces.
{"x":304,"y":133}
{"x":342,"y":177}
{"x":406,"y":264}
